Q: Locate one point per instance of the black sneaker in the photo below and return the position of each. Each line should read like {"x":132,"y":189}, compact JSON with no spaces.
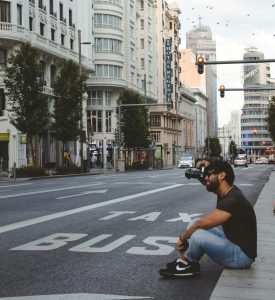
{"x":173,"y":264}
{"x":181,"y":269}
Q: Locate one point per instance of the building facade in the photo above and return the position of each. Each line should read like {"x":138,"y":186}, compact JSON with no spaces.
{"x":52,"y":28}
{"x":200,"y":41}
{"x":255,"y":137}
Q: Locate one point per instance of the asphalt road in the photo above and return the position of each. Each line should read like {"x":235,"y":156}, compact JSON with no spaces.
{"x":95,"y":237}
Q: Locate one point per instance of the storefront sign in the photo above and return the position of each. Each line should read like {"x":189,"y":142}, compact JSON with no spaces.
{"x":4,"y":137}
{"x":23,"y":139}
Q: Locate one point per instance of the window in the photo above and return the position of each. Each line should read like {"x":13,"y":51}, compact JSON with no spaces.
{"x":2,"y":102}
{"x":108,"y":71}
{"x":42,"y":26}
{"x":43,"y":72}
{"x":155,"y":136}
{"x":142,"y":24}
{"x":108,"y":120}
{"x":60,"y":11}
{"x":3,"y":58}
{"x":141,"y":5}
{"x":142,"y":63}
{"x":31,"y":23}
{"x":103,"y":20}
{"x":52,"y":34}
{"x":70,"y":17}
{"x":19,"y":14}
{"x":96,"y":120}
{"x":108,"y":45}
{"x":72,"y":44}
{"x":53,"y":74}
{"x":141,"y":43}
{"x":155,"y":121}
{"x":97,"y":98}
{"x":62,"y":39}
{"x":108,"y":98}
{"x":5,"y":11}
{"x":51,"y":7}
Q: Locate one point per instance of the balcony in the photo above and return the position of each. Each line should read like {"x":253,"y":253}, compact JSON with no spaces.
{"x":106,"y":81}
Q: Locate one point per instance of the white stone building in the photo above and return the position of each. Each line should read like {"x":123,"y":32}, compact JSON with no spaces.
{"x":52,"y":28}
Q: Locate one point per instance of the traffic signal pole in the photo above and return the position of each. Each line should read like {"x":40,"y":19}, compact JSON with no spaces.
{"x":227,"y":62}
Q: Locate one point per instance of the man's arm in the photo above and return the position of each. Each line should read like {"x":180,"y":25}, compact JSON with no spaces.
{"x":213,"y":219}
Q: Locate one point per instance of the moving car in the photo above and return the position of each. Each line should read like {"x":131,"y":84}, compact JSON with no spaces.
{"x":240,"y":161}
{"x":186,"y":162}
{"x":261,"y":160}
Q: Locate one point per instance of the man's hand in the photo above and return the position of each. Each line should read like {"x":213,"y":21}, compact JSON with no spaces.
{"x":181,"y":245}
{"x":202,"y":163}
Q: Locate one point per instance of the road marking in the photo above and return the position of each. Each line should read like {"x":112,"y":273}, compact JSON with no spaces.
{"x":84,"y":296}
{"x":69,"y":212}
{"x":49,"y":191}
{"x":245,"y":184}
{"x":1,"y":186}
{"x":84,"y":193}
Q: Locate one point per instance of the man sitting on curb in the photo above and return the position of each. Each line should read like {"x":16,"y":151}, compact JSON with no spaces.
{"x":236,"y":245}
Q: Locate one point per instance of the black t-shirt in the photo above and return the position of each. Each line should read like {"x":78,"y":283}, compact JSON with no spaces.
{"x":241,"y":228}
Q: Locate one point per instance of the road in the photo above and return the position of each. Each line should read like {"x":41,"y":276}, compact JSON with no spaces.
{"x":98,"y":237}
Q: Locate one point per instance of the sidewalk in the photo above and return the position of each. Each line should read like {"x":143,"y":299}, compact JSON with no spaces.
{"x":258,"y":282}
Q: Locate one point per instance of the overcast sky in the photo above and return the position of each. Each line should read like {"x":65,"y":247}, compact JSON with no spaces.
{"x":236,"y":25}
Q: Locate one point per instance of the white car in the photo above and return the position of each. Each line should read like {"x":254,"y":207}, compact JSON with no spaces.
{"x":186,"y":162}
{"x":240,"y":161}
{"x":261,"y":160}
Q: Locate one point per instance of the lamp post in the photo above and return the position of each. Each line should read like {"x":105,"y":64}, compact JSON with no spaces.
{"x":80,"y":73}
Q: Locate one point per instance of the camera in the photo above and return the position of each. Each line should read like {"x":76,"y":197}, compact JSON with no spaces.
{"x":199,"y":174}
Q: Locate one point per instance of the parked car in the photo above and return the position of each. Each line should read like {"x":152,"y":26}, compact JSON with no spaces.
{"x":186,"y":162}
{"x":261,"y":160}
{"x":240,"y":161}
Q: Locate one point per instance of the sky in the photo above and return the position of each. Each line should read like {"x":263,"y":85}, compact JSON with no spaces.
{"x":236,"y":25}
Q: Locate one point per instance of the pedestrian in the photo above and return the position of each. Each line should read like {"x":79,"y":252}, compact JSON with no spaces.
{"x":233,"y":247}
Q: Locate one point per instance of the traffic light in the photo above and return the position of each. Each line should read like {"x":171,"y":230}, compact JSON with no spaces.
{"x":200,"y":63}
{"x":222,"y":88}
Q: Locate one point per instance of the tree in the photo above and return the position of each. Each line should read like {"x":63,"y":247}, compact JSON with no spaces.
{"x":271,"y":118}
{"x":214,"y":147}
{"x":69,"y":87}
{"x":28,"y":106}
{"x":232,"y":149}
{"x":134,"y":120}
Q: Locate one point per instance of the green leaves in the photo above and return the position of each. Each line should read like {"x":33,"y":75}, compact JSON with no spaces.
{"x":69,"y":88}
{"x":28,"y":106}
{"x":134,"y":120}
{"x":271,"y":118}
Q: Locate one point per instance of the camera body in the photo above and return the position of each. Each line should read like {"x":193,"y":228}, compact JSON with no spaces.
{"x":199,"y":174}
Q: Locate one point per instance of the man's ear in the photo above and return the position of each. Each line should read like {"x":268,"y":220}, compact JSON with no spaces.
{"x":222,"y":175}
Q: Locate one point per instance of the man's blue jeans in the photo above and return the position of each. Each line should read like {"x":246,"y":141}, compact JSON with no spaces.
{"x":214,"y":243}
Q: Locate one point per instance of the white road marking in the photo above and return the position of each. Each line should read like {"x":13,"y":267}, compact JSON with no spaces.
{"x":84,"y":296}
{"x":49,"y":191}
{"x":26,"y":223}
{"x":245,"y":184}
{"x":1,"y":186}
{"x":84,"y":193}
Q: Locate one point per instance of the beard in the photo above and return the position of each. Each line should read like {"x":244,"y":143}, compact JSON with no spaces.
{"x":213,"y":185}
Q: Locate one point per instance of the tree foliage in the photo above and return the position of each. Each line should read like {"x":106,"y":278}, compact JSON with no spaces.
{"x":232,"y":149}
{"x":134,"y":120}
{"x":69,"y":87}
{"x":214,"y":147}
{"x":28,"y":107}
{"x":271,"y":118}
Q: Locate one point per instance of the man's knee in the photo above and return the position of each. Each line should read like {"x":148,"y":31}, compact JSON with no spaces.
{"x":198,"y":236}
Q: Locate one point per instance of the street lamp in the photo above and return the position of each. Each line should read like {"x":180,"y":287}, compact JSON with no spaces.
{"x":80,"y":73}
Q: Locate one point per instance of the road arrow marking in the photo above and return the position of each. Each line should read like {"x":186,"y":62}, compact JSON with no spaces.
{"x":84,"y":193}
{"x":73,"y":211}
